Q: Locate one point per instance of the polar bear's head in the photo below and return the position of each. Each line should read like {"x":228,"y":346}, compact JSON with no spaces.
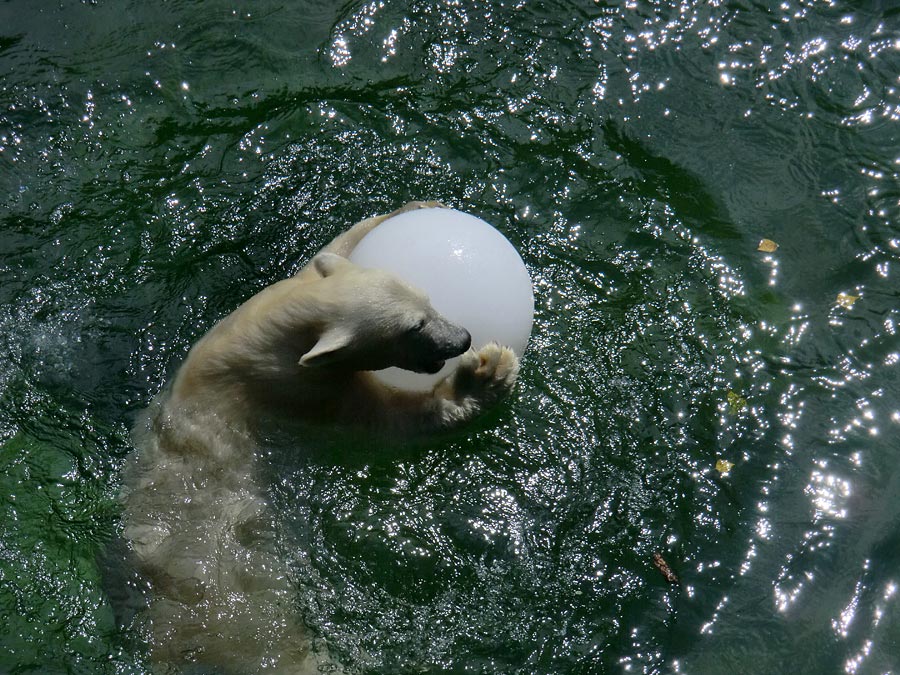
{"x":372,"y":319}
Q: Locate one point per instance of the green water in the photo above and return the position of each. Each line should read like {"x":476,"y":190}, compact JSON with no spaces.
{"x":162,"y":161}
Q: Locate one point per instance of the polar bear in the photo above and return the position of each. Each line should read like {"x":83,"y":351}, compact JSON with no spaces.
{"x":301,"y":349}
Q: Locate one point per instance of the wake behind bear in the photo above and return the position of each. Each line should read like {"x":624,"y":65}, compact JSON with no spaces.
{"x":302,"y":349}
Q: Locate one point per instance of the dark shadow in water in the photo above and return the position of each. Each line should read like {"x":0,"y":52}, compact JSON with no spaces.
{"x":672,"y":184}
{"x":289,"y":446}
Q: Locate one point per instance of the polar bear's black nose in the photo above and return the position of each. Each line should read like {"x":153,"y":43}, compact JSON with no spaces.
{"x":446,"y":338}
{"x":467,"y":340}
{"x":459,"y":341}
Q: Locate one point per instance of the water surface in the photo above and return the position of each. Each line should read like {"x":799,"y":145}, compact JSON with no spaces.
{"x":161,"y":162}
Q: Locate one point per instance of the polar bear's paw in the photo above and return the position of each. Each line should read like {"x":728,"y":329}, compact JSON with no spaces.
{"x":481,"y":379}
{"x":493,"y":366}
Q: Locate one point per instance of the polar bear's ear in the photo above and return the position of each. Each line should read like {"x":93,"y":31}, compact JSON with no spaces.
{"x":327,"y":264}
{"x":331,"y":348}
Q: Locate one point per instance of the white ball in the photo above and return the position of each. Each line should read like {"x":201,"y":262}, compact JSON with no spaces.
{"x":473,"y":275}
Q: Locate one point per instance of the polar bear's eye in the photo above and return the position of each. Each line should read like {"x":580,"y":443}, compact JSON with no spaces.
{"x":417,"y":326}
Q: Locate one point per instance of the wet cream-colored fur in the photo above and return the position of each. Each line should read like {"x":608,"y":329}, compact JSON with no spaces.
{"x":195,"y":515}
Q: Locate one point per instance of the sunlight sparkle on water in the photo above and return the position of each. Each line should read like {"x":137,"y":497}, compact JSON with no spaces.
{"x":842,"y":624}
{"x":852,"y":665}
{"x":340,"y":52}
{"x":707,"y":628}
{"x":828,"y":493}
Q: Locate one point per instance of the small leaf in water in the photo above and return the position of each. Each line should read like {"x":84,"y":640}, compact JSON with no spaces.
{"x":723,"y":466}
{"x":736,"y":402}
{"x":846,"y":300}
{"x":767,"y":246}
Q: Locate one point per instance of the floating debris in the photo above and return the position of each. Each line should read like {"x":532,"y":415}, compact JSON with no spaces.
{"x":664,"y":568}
{"x":767,"y":246}
{"x":846,"y":300}
{"x":723,"y":466}
{"x":736,"y":402}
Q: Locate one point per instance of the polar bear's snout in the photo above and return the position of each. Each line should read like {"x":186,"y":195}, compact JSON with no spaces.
{"x":440,"y":340}
{"x":452,"y":340}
